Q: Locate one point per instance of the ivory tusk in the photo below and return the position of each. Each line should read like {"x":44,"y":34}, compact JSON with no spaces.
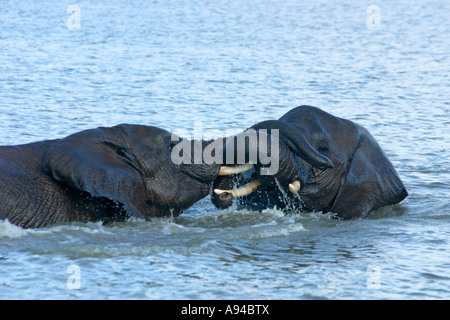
{"x":242,"y":191}
{"x":227,"y":171}
{"x":295,"y":186}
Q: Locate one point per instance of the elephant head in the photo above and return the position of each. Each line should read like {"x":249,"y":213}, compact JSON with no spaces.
{"x":326,"y":164}
{"x":131,"y":165}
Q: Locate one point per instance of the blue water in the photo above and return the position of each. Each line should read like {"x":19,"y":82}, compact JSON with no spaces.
{"x":230,"y":64}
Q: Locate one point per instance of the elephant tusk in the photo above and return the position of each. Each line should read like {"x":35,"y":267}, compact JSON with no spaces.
{"x":242,"y":191}
{"x":227,"y":171}
{"x":295,"y":186}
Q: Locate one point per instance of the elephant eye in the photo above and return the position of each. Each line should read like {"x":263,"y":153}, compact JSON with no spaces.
{"x":122,"y":153}
{"x":322,"y":146}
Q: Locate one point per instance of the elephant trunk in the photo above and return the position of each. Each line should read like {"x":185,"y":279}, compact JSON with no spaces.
{"x":297,"y":143}
{"x":249,"y":151}
{"x":191,"y":155}
{"x":225,"y":199}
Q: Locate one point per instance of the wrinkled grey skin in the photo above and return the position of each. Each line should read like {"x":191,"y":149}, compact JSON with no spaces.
{"x":103,"y":174}
{"x":346,"y":173}
{"x":110,"y":174}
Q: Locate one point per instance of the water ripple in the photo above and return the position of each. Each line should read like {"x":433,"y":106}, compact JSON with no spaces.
{"x":231,"y":64}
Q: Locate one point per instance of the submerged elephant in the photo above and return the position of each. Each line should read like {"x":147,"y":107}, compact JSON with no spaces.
{"x":110,"y":174}
{"x":105,"y":174}
{"x":326,"y":164}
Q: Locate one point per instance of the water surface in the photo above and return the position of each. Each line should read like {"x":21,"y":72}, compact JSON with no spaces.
{"x":229,"y":65}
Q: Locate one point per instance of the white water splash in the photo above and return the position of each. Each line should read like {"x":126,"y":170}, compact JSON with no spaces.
{"x":287,"y":200}
{"x":11,"y":231}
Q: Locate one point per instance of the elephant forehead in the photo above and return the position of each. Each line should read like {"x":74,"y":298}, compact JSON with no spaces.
{"x":313,"y":130}
{"x":331,"y":129}
{"x":340,"y":136}
{"x":144,"y":132}
{"x":144,"y":138}
{"x":311,"y":120}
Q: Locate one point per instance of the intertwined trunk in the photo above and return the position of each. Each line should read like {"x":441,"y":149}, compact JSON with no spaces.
{"x":290,"y":153}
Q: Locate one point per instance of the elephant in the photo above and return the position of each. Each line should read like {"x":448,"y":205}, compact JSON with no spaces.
{"x":326,"y":164}
{"x":103,"y":174}
{"x":110,"y":174}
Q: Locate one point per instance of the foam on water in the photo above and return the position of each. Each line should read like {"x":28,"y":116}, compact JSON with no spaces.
{"x":169,"y":65}
{"x":11,"y":231}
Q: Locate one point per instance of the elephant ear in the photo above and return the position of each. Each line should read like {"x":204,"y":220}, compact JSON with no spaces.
{"x":371,"y":181}
{"x":99,"y":162}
